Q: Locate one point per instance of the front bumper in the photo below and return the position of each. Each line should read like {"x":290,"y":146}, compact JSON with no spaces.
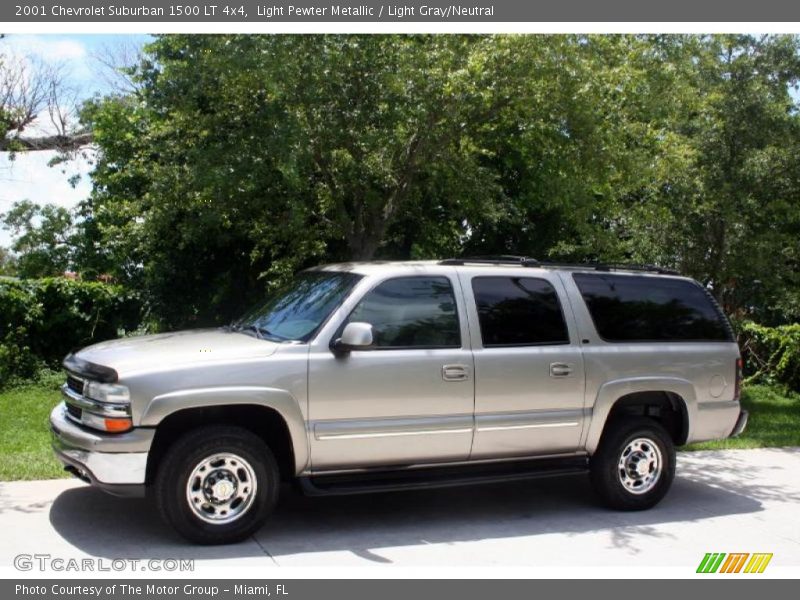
{"x":116,"y":463}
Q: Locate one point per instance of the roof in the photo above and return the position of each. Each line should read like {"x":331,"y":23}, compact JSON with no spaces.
{"x":517,"y":262}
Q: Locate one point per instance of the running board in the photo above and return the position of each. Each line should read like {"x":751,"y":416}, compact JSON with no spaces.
{"x":439,"y":477}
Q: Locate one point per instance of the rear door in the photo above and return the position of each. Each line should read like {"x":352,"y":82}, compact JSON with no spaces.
{"x":529,"y":374}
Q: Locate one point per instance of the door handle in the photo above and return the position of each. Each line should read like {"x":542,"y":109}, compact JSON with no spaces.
{"x":560,"y":370}
{"x":455,"y":372}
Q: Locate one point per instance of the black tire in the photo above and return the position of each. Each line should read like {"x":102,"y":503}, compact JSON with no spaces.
{"x":607,"y":475}
{"x":190,"y":451}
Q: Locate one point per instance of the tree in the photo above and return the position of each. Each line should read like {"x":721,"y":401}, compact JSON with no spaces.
{"x":28,"y":89}
{"x":244,"y":162}
{"x":7,"y":263}
{"x":242,"y":158}
{"x":42,"y":238}
{"x":587,"y":130}
{"x":727,"y":213}
{"x":234,"y":161}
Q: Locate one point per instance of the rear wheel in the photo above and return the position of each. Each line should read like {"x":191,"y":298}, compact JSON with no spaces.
{"x":634,"y":465}
{"x":217,"y":484}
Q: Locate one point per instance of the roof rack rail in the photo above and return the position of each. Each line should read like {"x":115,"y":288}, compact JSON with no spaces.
{"x":597,"y":266}
{"x":499,"y":259}
{"x":525,"y":261}
{"x":610,"y":267}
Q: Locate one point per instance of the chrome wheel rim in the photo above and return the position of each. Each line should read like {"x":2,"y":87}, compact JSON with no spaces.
{"x":640,"y":466}
{"x":221,"y":488}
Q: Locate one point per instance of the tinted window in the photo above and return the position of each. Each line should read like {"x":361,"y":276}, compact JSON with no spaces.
{"x":411,"y":312}
{"x":630,"y":308}
{"x":518,"y":311}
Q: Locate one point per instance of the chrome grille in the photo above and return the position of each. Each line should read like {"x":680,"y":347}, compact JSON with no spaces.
{"x":74,"y":412}
{"x":75,"y":384}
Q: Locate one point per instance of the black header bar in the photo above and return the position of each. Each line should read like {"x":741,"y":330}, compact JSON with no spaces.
{"x":435,"y":11}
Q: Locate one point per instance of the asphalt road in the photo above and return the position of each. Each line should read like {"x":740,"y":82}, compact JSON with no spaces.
{"x":721,"y":501}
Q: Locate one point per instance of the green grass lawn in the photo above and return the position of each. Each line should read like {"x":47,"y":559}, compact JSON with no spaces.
{"x":25,"y":433}
{"x":25,"y":437}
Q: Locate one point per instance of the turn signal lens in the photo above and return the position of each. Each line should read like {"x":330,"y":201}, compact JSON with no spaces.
{"x":110,"y":424}
{"x":117,"y":425}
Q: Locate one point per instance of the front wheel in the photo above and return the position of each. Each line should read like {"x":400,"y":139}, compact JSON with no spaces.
{"x":634,"y":465}
{"x":217,"y":484}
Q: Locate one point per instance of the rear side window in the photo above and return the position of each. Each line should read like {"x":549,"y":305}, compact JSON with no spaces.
{"x":630,"y":308}
{"x":518,"y":311}
{"x":411,"y":312}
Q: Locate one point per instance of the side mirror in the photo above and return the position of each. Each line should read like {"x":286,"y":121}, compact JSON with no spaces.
{"x":356,"y":336}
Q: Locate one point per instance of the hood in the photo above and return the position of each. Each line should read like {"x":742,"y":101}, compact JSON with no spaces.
{"x":159,"y":352}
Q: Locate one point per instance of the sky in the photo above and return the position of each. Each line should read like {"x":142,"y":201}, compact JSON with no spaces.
{"x":28,"y":176}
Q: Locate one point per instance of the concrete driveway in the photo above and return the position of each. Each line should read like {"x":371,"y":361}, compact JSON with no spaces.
{"x":722,"y":501}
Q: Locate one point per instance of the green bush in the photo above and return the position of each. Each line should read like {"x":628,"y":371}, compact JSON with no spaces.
{"x":42,"y":320}
{"x":771,"y":354}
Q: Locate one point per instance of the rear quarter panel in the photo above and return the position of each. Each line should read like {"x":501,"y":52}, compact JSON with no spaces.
{"x":702,"y":374}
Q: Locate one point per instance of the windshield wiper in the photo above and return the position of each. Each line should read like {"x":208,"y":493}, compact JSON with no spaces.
{"x":261,"y":332}
{"x":255,"y":329}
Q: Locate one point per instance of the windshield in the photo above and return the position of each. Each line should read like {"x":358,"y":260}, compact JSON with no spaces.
{"x":296,"y":311}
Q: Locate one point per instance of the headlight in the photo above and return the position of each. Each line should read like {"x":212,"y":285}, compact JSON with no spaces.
{"x":107,"y":392}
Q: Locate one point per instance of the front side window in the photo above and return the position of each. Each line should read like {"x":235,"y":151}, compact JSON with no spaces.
{"x":634,"y":308}
{"x":411,"y":312}
{"x":296,"y":311}
{"x":518,"y":311}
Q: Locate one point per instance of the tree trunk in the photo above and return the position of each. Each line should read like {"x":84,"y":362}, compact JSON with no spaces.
{"x":363,"y":244}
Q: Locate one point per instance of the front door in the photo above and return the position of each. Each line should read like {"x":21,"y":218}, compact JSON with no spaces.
{"x":407,"y":399}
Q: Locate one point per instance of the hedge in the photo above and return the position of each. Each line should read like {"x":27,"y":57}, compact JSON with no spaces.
{"x":771,"y":354}
{"x":42,"y":320}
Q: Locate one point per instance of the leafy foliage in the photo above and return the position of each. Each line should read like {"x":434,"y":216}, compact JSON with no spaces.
{"x":42,"y":320}
{"x":237,"y":160}
{"x":42,"y":238}
{"x":771,"y":354}
{"x":8,"y":263}
{"x":728,"y":214}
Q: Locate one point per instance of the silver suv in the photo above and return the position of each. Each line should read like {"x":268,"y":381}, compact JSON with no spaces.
{"x":398,"y":375}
